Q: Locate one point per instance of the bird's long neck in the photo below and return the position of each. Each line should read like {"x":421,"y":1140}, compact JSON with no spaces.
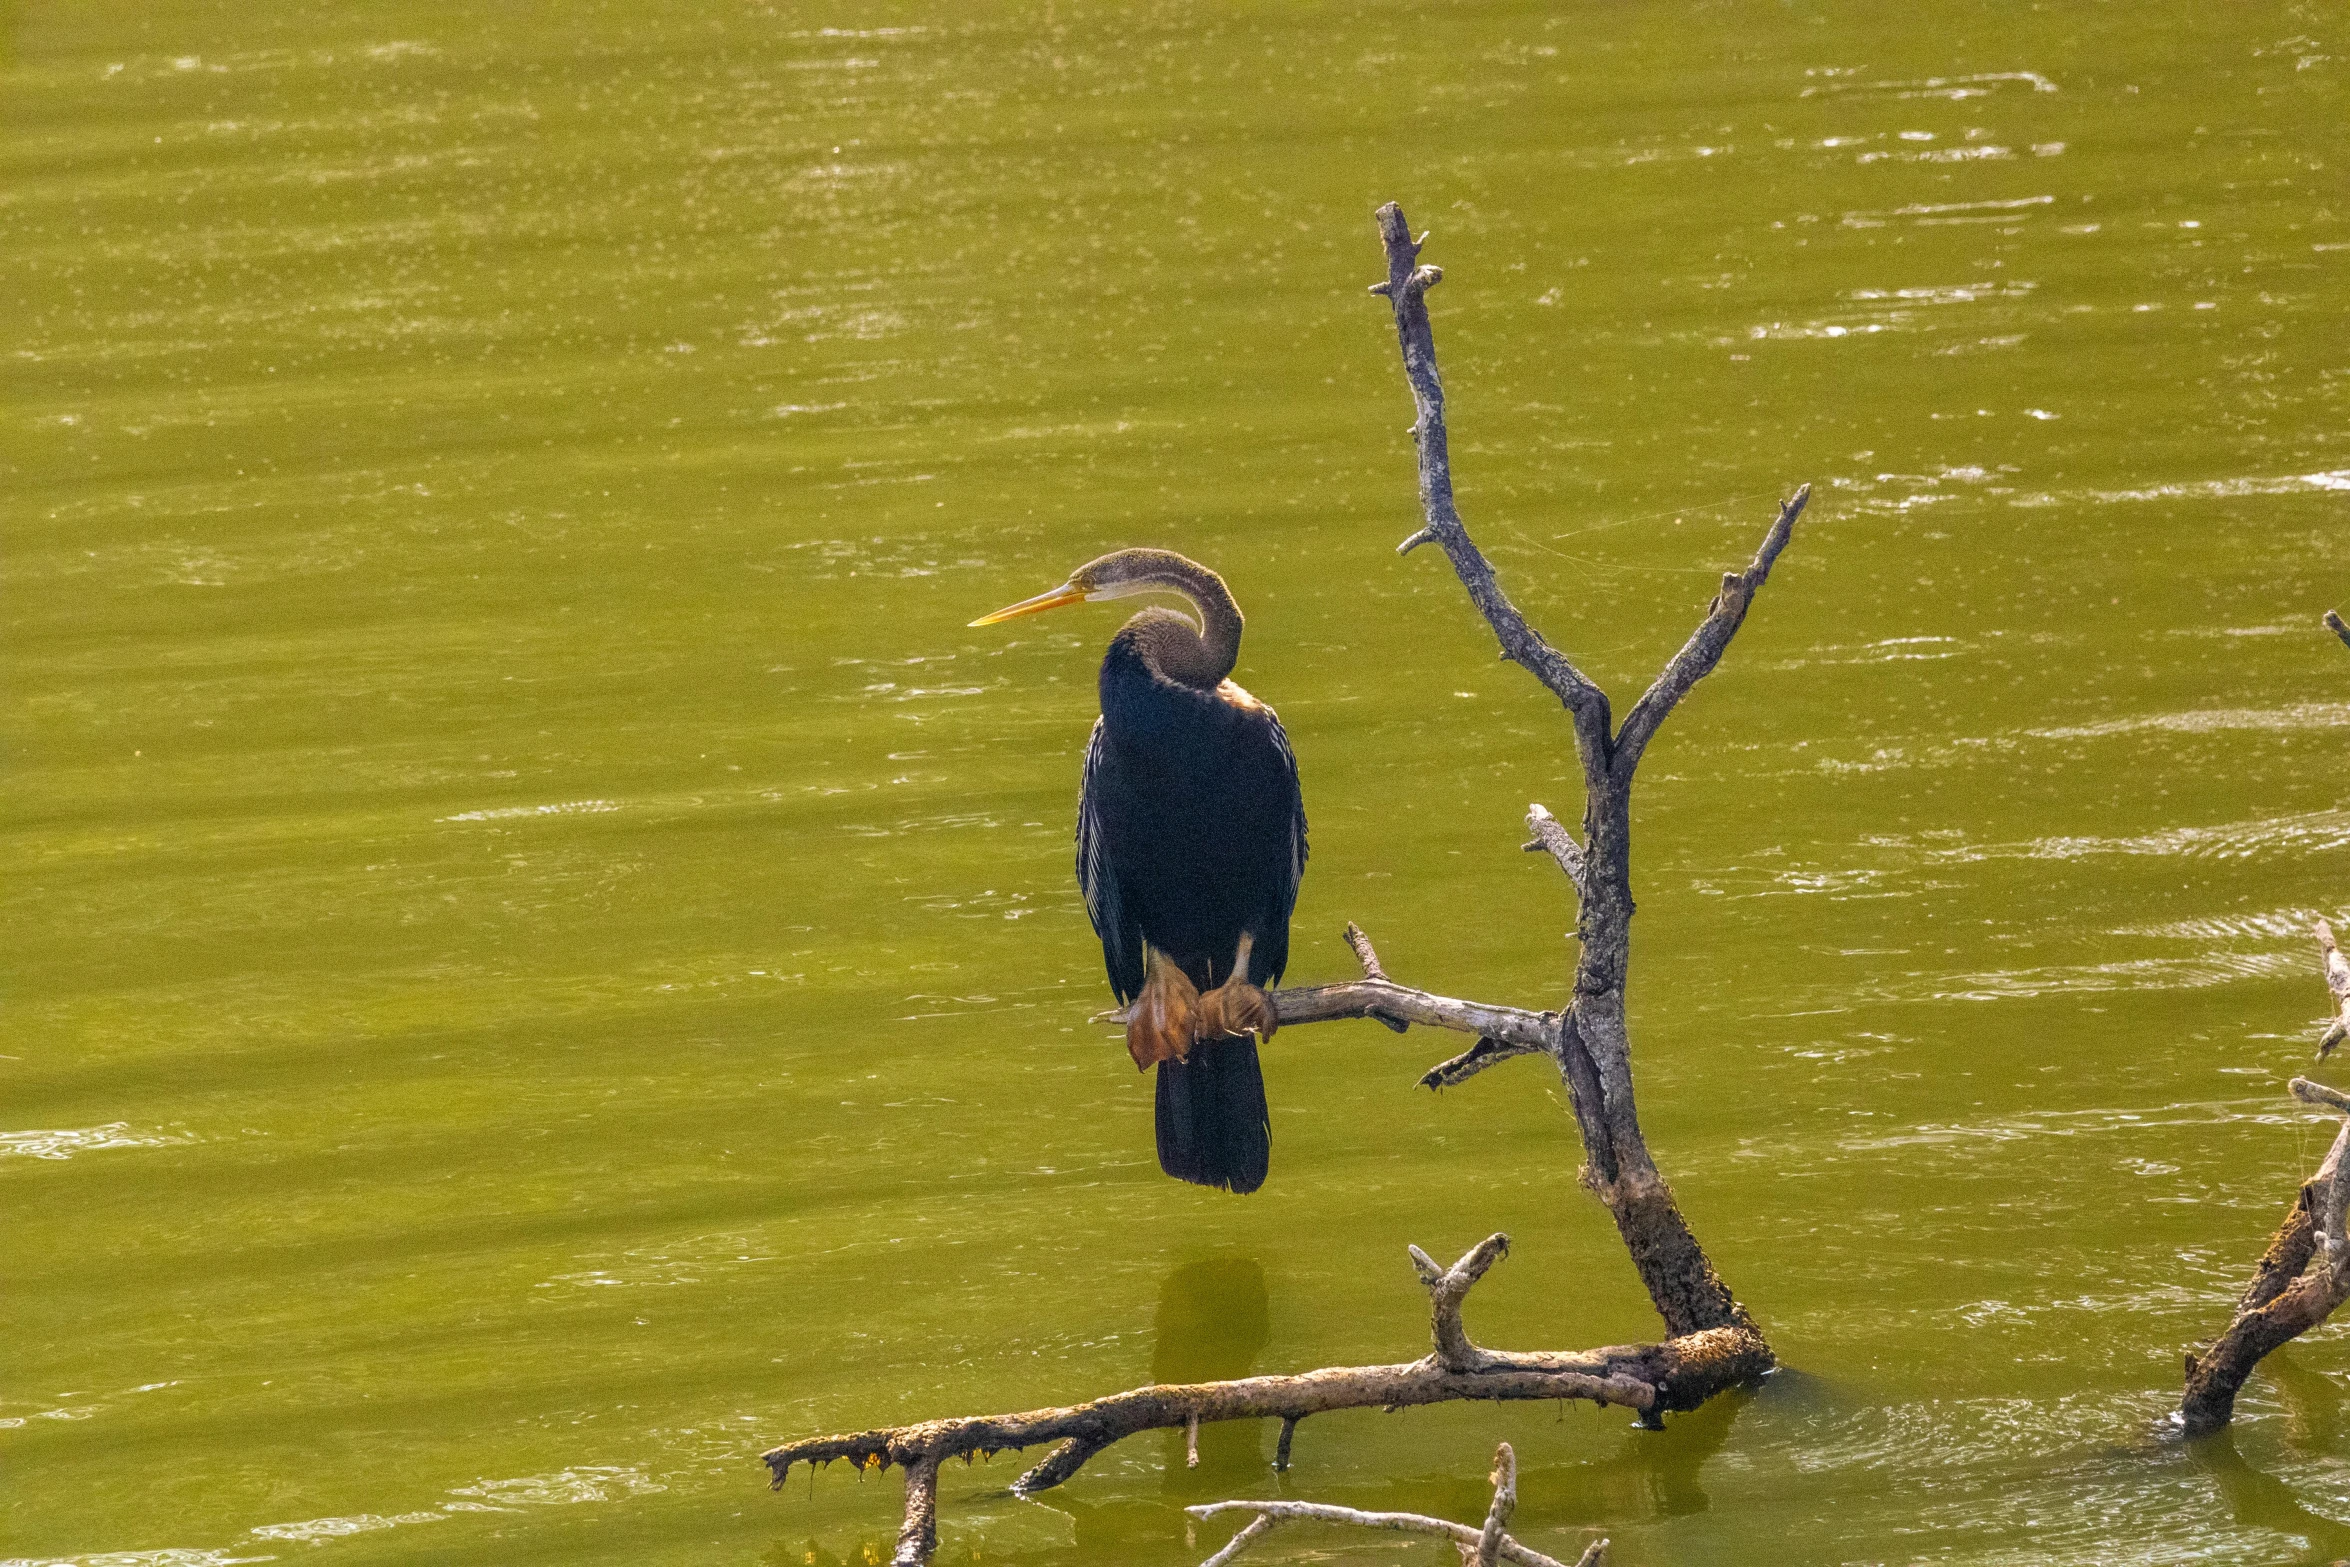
{"x":1199,"y":657}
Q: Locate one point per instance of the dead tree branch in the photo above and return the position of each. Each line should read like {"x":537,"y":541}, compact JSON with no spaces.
{"x":2338,"y":985}
{"x":1406,"y":289}
{"x":1378,"y":997}
{"x":918,"y":1535}
{"x":2302,"y":1277}
{"x":2305,"y":1273}
{"x":1648,"y":1379}
{"x":1552,"y":838}
{"x":1483,"y":1547}
{"x":1592,"y":1046}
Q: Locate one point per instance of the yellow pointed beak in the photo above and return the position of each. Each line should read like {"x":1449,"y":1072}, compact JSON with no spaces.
{"x":1066,"y":593}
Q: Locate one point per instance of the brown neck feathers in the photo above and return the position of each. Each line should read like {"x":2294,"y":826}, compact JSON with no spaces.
{"x":1199,"y":657}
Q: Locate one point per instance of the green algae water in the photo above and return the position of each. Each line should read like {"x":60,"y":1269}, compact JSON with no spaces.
{"x":542,"y":956}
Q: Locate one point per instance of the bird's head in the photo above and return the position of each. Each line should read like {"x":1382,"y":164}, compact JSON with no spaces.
{"x":1123,"y":574}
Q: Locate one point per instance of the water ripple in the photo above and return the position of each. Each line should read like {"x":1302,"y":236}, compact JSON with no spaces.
{"x":64,"y":1144}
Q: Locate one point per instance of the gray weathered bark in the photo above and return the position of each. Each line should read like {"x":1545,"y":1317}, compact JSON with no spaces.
{"x":1645,"y":1378}
{"x":1591,"y":1044}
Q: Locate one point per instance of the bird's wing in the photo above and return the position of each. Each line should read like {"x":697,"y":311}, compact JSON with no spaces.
{"x":1276,"y":950}
{"x":1105,"y":905}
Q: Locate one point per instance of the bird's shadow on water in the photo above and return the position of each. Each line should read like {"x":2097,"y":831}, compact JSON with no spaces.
{"x":1214,"y":1320}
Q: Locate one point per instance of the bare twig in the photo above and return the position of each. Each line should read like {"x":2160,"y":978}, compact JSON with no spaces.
{"x":1271,"y":1512}
{"x":1484,"y":1546}
{"x":1406,"y":289}
{"x":1707,"y":643}
{"x":1369,"y":959}
{"x":2338,"y":986}
{"x":1059,"y":1464}
{"x":1557,"y":842}
{"x":1378,"y":997}
{"x":1260,"y":1524}
{"x":2319,"y":1095}
{"x":2335,"y":625}
{"x":1486,"y":1052}
{"x":1505,"y":1502}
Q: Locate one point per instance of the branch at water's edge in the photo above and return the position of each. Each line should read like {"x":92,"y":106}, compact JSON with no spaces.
{"x":1646,"y":1378}
{"x":2303,"y":1277}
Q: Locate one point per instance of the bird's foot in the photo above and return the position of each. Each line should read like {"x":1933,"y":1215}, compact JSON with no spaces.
{"x":1237,"y":1007}
{"x":1164,"y":1019}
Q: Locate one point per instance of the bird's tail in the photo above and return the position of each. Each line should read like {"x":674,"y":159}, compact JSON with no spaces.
{"x":1213,"y":1127}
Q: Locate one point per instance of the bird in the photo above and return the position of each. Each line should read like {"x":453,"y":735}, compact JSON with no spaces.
{"x":1191,"y":842}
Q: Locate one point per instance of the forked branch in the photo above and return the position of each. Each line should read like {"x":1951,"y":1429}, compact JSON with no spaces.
{"x":1481,"y":1546}
{"x":1592,"y":1044}
{"x":1648,"y":1379}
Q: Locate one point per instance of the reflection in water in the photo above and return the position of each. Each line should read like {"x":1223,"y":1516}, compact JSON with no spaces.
{"x":1213,"y":1323}
{"x":1667,"y":1465}
{"x":2313,"y":1403}
{"x":2262,"y":1501}
{"x":2313,"y":1407}
{"x":1212,"y":1326}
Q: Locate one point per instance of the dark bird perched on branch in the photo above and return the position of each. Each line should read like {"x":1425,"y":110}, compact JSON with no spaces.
{"x":1191,"y":837}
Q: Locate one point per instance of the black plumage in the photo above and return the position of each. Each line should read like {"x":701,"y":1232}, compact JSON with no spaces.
{"x":1191,"y":840}
{"x":1191,"y":831}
